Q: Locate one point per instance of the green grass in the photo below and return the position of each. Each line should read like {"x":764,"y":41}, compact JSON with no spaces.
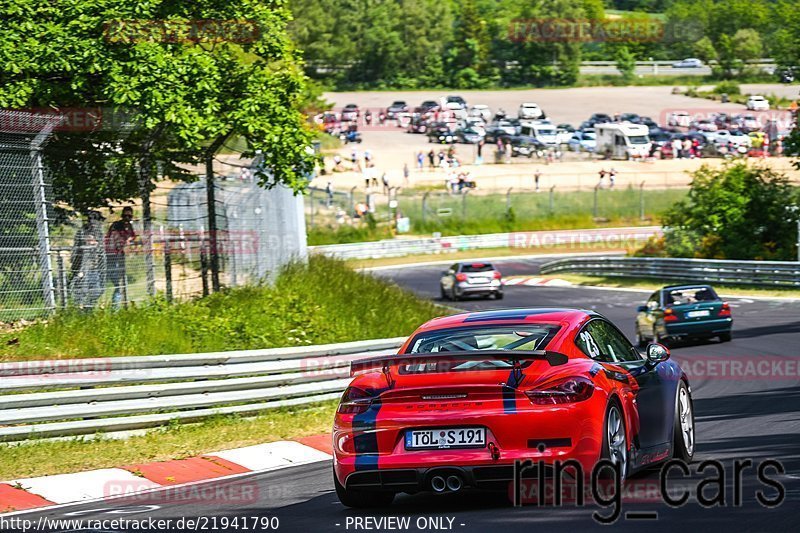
{"x":322,"y":302}
{"x":40,"y":458}
{"x":530,"y":212}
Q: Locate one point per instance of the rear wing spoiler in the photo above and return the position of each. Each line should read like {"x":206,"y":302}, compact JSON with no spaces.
{"x":385,"y":361}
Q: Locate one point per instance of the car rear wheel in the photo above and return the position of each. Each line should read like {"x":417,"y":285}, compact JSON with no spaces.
{"x":443,"y":293}
{"x":683,"y":445}
{"x":498,"y":295}
{"x":725,"y":337}
{"x":361,"y":499}
{"x":615,"y":443}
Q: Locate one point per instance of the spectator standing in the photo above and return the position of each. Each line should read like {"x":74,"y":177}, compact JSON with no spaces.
{"x":329,"y":193}
{"x":406,"y":174}
{"x":420,"y":160}
{"x":120,"y":235}
{"x":385,"y":181}
{"x":602,"y":177}
{"x":536,"y":176}
{"x":612,"y":175}
{"x":88,"y":263}
{"x":676,"y":148}
{"x":432,"y":159}
{"x":687,"y":148}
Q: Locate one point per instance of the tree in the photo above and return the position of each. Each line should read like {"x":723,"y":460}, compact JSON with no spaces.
{"x":626,"y":63}
{"x":737,"y":212}
{"x":181,"y":84}
{"x":704,"y":50}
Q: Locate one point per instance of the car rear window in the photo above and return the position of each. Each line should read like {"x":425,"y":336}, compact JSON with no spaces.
{"x":477,"y":267}
{"x":689,"y":295}
{"x":516,"y":337}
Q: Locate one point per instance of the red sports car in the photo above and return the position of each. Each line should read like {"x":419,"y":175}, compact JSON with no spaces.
{"x":469,"y":395}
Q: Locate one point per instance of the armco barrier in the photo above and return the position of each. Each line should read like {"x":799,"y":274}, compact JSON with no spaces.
{"x":764,"y":273}
{"x":578,"y":239}
{"x":79,"y":397}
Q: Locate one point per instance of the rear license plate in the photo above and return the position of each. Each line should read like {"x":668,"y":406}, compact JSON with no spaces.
{"x":479,"y":280}
{"x":696,"y":314}
{"x":418,"y":439}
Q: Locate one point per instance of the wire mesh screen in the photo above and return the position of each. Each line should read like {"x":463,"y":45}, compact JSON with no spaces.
{"x":26,"y":281}
{"x":104,"y":258}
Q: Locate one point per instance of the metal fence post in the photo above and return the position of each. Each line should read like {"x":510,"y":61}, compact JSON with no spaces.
{"x":167,"y":266}
{"x":353,"y":199}
{"x":62,"y":279}
{"x":552,"y":191}
{"x":213,"y":247}
{"x":425,"y":206}
{"x":42,"y":221}
{"x":508,"y":201}
{"x":594,"y":208}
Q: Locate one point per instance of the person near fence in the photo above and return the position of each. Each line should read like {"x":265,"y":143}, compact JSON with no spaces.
{"x":329,"y":193}
{"x":612,"y":176}
{"x":406,"y":174}
{"x":120,"y":235}
{"x":88,"y":263}
{"x":602,"y":178}
{"x":536,"y":176}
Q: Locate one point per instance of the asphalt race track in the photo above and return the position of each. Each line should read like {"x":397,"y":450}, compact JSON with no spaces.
{"x":738,"y":416}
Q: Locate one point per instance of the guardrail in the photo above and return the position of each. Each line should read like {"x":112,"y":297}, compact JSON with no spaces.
{"x":532,"y":239}
{"x":765,"y":273}
{"x":86,"y":396}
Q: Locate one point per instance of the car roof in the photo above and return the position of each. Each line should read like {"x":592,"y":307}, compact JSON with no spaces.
{"x":511,"y":317}
{"x":685,"y":286}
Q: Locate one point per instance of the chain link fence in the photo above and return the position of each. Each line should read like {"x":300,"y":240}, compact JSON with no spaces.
{"x":105,"y":257}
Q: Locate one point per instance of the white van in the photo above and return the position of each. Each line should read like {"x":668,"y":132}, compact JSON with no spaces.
{"x":541,"y":130}
{"x":622,"y":140}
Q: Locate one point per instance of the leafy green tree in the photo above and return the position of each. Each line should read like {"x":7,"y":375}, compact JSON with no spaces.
{"x":738,"y":212}
{"x":704,"y":50}
{"x":181,"y":88}
{"x":626,"y":63}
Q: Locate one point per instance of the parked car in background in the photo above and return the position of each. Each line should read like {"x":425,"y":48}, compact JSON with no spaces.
{"x":530,"y":110}
{"x":683,"y":312}
{"x":417,"y":125}
{"x":439,"y":132}
{"x":350,"y":112}
{"x":468,"y":136}
{"x":757,"y":102}
{"x":583,"y":141}
{"x":469,"y":279}
{"x":564,"y":133}
{"x":679,"y":118}
{"x":397,"y":107}
{"x":704,"y":125}
{"x":598,"y":118}
{"x":499,"y":129}
{"x":690,"y":62}
{"x":429,"y":106}
{"x":481,"y":111}
{"x":455,"y":102}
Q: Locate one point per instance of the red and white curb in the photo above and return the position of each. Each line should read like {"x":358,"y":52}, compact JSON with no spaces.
{"x":537,"y":282}
{"x":32,"y":493}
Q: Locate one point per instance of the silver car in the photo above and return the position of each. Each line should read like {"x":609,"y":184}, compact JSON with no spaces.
{"x":468,"y":279}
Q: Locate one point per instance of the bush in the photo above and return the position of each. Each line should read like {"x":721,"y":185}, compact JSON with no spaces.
{"x":727,"y":87}
{"x":737,"y":212}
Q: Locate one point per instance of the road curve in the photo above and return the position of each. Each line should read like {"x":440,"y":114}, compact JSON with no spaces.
{"x":738,"y":416}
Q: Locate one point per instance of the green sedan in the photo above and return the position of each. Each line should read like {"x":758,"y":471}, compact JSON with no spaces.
{"x":683,"y":312}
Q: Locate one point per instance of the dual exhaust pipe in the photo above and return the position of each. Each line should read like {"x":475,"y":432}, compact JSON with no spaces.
{"x":452,"y":483}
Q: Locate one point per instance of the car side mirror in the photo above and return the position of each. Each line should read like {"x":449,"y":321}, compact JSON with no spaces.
{"x":445,"y":272}
{"x":657,"y":353}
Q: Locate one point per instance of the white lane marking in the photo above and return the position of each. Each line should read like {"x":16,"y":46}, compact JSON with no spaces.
{"x":66,"y":488}
{"x":272,"y":454}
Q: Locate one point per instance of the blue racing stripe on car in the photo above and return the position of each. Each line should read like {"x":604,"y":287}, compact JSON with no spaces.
{"x":366,"y":438}
{"x":510,"y":393}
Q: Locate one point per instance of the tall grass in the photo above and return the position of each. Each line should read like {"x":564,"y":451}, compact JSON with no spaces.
{"x":320,"y":302}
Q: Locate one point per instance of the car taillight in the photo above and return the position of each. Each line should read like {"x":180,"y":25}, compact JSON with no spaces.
{"x":670,"y":316}
{"x":354,"y":401}
{"x":725,"y":311}
{"x":569,"y":391}
{"x":461,"y":277}
{"x":497,"y":274}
